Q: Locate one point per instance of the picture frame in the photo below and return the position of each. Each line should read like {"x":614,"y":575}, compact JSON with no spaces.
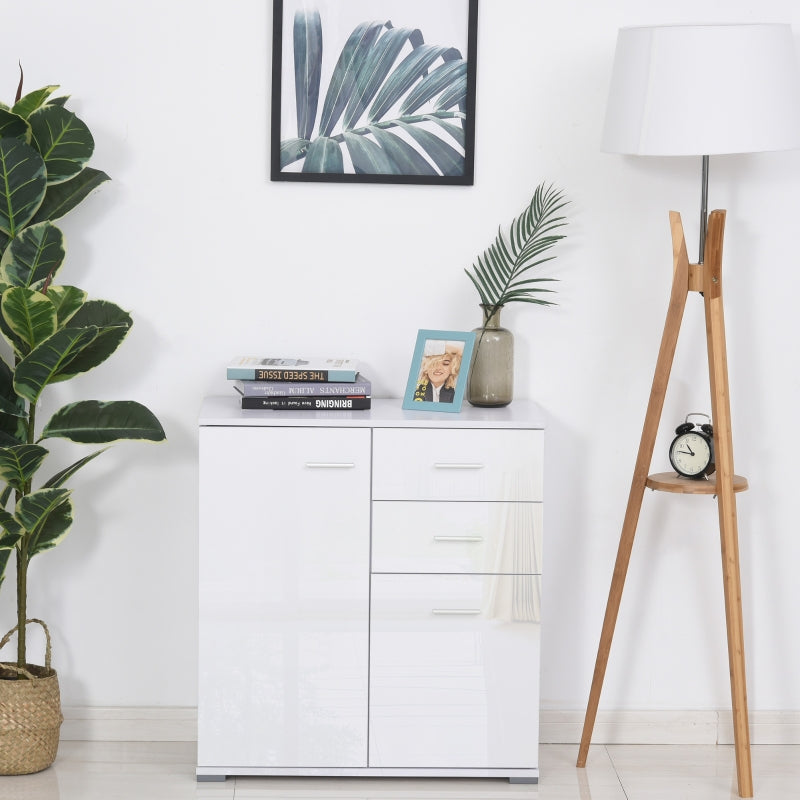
{"x":374,"y":91}
{"x":449,"y":353}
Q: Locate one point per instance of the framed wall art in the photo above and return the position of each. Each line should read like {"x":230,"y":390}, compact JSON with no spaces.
{"x":437,"y":379}
{"x":379,"y":91}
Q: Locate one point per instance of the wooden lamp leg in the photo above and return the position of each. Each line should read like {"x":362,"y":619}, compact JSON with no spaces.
{"x":726,"y":498}
{"x":666,"y":356}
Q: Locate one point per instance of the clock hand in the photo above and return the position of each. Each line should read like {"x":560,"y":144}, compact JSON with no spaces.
{"x":686,"y":452}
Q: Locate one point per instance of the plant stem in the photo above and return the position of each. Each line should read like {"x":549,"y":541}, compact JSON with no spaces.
{"x":22,"y":562}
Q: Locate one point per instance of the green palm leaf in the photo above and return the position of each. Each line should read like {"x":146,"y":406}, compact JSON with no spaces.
{"x":403,"y":77}
{"x":324,"y":155}
{"x":501,"y":273}
{"x":307,"y":33}
{"x":373,"y":76}
{"x":447,"y":158}
{"x":351,"y":60}
{"x":408,"y":160}
{"x":368,"y":158}
{"x":437,"y":81}
{"x":379,"y":61}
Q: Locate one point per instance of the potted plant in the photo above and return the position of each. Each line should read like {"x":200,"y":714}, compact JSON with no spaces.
{"x":54,"y":332}
{"x":502,"y":276}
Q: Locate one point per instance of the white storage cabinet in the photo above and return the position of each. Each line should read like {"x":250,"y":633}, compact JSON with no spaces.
{"x":370,"y":588}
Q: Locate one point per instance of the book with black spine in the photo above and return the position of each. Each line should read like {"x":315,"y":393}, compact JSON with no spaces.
{"x":339,"y":403}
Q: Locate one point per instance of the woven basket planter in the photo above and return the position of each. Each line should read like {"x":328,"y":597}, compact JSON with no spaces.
{"x":30,"y":713}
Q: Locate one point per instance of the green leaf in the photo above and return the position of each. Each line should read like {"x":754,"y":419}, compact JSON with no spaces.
{"x":403,"y":77}
{"x":30,"y":316}
{"x":324,"y":155}
{"x":63,"y":197}
{"x":44,"y":363}
{"x":47,"y":516}
{"x":66,"y":300}
{"x":455,"y":95}
{"x":351,"y":60}
{"x":368,"y":158}
{"x":112,"y":325}
{"x":19,"y":463}
{"x":63,"y":140}
{"x":456,"y":131}
{"x":292,"y":150}
{"x":437,"y":81}
{"x":447,"y":158}
{"x":501,"y":272}
{"x":36,"y":253}
{"x":95,"y":422}
{"x":307,"y":34}
{"x":13,"y":125}
{"x":379,"y":61}
{"x":23,"y":181}
{"x":30,"y":102}
{"x":408,"y":160}
{"x":65,"y":474}
{"x":8,"y":540}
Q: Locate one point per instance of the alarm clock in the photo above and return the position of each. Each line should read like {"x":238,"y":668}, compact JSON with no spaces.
{"x":692,"y":450}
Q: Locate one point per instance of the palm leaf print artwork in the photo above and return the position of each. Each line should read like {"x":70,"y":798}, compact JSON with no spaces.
{"x":395,"y":107}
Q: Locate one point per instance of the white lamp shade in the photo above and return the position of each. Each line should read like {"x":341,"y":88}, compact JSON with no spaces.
{"x":703,"y":90}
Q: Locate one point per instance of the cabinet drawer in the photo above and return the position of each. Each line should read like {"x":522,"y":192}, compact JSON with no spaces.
{"x":457,"y":464}
{"x":456,"y":537}
{"x":454,"y":676}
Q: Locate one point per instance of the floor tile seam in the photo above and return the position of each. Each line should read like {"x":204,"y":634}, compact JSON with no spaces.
{"x":616,"y":772}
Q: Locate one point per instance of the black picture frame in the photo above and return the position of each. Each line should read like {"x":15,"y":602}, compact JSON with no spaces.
{"x":360,"y":94}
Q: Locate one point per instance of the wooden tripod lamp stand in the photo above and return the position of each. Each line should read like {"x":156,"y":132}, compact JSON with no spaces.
{"x":697,"y":90}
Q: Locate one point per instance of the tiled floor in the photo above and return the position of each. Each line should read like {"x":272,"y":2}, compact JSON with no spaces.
{"x":165,"y":771}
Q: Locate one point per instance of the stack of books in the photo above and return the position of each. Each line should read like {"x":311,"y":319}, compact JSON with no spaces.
{"x":313,"y":384}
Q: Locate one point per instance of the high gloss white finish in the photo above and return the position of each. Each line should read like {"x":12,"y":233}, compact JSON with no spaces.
{"x":456,"y":537}
{"x":284,"y":597}
{"x":447,"y":465}
{"x":292,"y":612}
{"x":454,"y":671}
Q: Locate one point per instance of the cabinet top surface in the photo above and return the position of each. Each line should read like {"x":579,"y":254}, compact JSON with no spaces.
{"x":385,"y":413}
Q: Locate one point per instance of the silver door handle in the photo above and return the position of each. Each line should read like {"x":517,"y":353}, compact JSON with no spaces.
{"x":329,"y":465}
{"x":458,"y":538}
{"x":466,"y":465}
{"x":456,"y":611}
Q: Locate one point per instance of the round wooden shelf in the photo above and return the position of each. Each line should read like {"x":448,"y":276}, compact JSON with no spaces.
{"x":670,"y":482}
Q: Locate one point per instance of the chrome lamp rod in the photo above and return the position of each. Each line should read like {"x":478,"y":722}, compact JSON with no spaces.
{"x":703,"y":210}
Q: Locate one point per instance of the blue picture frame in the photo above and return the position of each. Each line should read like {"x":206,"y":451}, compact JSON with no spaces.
{"x":445,"y":352}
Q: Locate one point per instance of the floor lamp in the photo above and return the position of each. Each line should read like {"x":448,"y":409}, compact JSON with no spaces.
{"x":697,"y":90}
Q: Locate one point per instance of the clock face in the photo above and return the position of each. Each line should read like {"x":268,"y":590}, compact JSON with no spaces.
{"x":690,"y":454}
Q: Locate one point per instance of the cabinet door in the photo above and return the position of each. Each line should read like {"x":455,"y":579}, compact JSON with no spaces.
{"x":454,"y":671}
{"x":284,"y":597}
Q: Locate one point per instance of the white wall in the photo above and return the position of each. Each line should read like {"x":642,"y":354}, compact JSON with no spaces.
{"x":214,"y":260}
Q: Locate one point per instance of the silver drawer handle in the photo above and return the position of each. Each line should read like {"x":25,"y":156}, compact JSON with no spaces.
{"x":446,"y":465}
{"x":456,"y":611}
{"x":329,"y":465}
{"x":458,"y":538}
